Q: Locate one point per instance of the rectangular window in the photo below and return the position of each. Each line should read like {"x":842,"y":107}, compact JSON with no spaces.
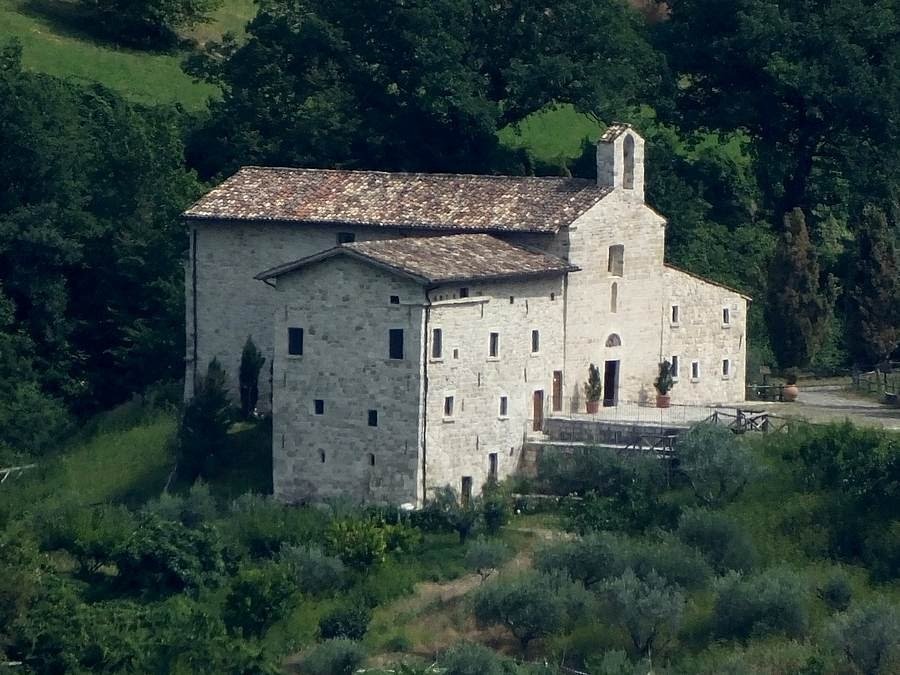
{"x":448,"y":406}
{"x":395,"y":299}
{"x":466,"y":496}
{"x":493,"y":463}
{"x":695,"y":370}
{"x":373,"y":418}
{"x":726,"y":367}
{"x":535,"y":341}
{"x":675,"y":315}
{"x":295,"y":341}
{"x":504,"y":406}
{"x":616,"y":263}
{"x":345,"y":237}
{"x":726,"y":316}
{"x":396,"y":343}
{"x":494,"y":347}
{"x":319,"y":406}
{"x":437,"y":347}
{"x":674,"y":367}
{"x":464,"y":292}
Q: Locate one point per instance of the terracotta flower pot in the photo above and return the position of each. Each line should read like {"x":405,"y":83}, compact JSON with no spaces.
{"x":593,"y":407}
{"x":790,"y":392}
{"x":663,"y":400}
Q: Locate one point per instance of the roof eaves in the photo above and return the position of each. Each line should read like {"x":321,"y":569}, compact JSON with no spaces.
{"x":709,"y":281}
{"x":508,"y":276}
{"x":341,"y":249}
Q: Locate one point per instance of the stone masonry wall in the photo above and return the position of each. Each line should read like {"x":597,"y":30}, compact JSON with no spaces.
{"x":231,"y":304}
{"x":700,"y":335}
{"x":460,"y":445}
{"x":344,"y":307}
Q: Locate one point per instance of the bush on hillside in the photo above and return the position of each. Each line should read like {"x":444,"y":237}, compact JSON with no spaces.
{"x":349,"y":622}
{"x":359,"y":543}
{"x":649,"y":610}
{"x":261,"y":526}
{"x":148,"y":22}
{"x":314,"y":572}
{"x":719,"y":538}
{"x":494,"y":508}
{"x":590,"y":559}
{"x":533,"y":605}
{"x":869,"y":637}
{"x":773,"y":602}
{"x":444,"y":512}
{"x":485,"y":556}
{"x":881,"y":551}
{"x":473,"y":659}
{"x":675,"y":563}
{"x":190,"y":509}
{"x":716,"y":463}
{"x":334,"y":657}
{"x":258,"y":597}
{"x":836,"y":592}
{"x":92,"y":535}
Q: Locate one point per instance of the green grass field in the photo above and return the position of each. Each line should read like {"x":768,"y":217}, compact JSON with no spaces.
{"x":53,"y":45}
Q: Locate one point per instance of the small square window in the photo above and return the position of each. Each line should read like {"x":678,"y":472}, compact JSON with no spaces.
{"x":448,"y":406}
{"x":395,"y":339}
{"x":437,"y":347}
{"x":512,"y":299}
{"x":373,"y":418}
{"x":674,"y":370}
{"x":494,"y":346}
{"x":535,"y":341}
{"x":675,"y":314}
{"x":319,"y":406}
{"x":726,"y":316}
{"x":455,"y":353}
{"x":695,"y":370}
{"x":295,"y":341}
{"x":504,"y":406}
{"x":345,"y":237}
{"x":395,"y":299}
{"x":552,"y":297}
{"x":464,"y":292}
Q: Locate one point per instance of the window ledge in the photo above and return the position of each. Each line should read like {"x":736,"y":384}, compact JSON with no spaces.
{"x":726,"y":325}
{"x":536,"y":354}
{"x":502,"y":418}
{"x":493,"y":358}
{"x":448,"y":420}
{"x":694,"y":380}
{"x":438,"y":359}
{"x":294,"y":357}
{"x":675,"y":324}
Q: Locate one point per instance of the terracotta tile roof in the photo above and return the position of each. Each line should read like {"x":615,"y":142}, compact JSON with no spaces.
{"x":443,"y":259}
{"x":406,"y":200}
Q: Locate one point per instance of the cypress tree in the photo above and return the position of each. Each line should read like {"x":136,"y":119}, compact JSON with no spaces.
{"x":251,"y":364}
{"x":801,"y":305}
{"x":875,"y":291}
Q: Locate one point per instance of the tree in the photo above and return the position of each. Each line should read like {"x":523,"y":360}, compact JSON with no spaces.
{"x":149,"y":22}
{"x":771,"y":603}
{"x":252,"y":362}
{"x":869,"y":637}
{"x":648,"y":609}
{"x":801,"y":304}
{"x":204,"y":424}
{"x":485,"y":556}
{"x":258,"y":598}
{"x":412,"y":86}
{"x":720,"y":539}
{"x":716,"y":463}
{"x":533,"y":605}
{"x":876,"y":288}
{"x":472,"y":659}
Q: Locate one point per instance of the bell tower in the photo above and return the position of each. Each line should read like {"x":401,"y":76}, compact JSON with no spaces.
{"x":620,"y":161}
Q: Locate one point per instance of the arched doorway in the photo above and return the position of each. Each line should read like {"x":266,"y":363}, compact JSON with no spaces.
{"x":611,"y":374}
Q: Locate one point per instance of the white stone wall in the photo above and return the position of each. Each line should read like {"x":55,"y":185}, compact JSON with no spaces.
{"x":231,"y":304}
{"x":460,"y":446}
{"x":701,"y":336}
{"x":344,"y":307}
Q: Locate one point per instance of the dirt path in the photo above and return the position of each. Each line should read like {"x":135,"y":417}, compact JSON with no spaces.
{"x":835,"y":404}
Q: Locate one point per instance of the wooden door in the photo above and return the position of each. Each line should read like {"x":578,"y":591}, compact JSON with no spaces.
{"x":611,"y":384}
{"x":492,"y":467}
{"x":557,"y":390}
{"x":466,"y":497}
{"x":538,"y":411}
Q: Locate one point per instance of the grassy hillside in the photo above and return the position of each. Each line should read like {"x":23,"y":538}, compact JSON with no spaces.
{"x":54,"y":43}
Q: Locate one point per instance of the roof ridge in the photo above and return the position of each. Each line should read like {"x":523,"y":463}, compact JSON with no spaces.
{"x":436,"y":174}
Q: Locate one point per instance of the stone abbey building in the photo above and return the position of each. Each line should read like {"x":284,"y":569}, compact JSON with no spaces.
{"x":418,"y":326}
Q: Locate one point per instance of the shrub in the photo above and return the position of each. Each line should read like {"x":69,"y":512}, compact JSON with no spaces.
{"x":485,"y":556}
{"x":445,"y":512}
{"x":674,"y":562}
{"x":258,"y":598}
{"x":494,"y":509}
{"x":350,"y":622}
{"x":472,"y":659}
{"x":359,"y":543}
{"x":165,"y":557}
{"x":261,"y":526}
{"x":649,"y":609}
{"x":837,"y":592}
{"x":716,"y":464}
{"x":149,"y":23}
{"x":532,"y":606}
{"x":252,"y":362}
{"x":314,"y":572}
{"x":720,"y":539}
{"x":402,"y":538}
{"x":770,"y":603}
{"x":869,"y":637}
{"x":881,"y":551}
{"x":191,"y":509}
{"x":92,"y":535}
{"x":204,"y":425}
{"x":334,"y":657}
{"x":616,"y":662}
{"x":589,"y":559}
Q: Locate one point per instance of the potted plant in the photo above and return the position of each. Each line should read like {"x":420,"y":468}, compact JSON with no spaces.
{"x":664,"y":383}
{"x":593,"y":389}
{"x":790,"y":391}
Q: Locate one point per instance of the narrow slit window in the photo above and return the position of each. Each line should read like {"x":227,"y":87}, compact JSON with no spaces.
{"x":675,"y":314}
{"x":494,"y":346}
{"x":614,"y":298}
{"x":726,"y":316}
{"x":535,"y":341}
{"x":616,"y":263}
{"x":322,"y":456}
{"x":726,"y":367}
{"x":448,"y":406}
{"x":628,"y":161}
{"x":437,"y":346}
{"x":395,"y":338}
{"x":695,"y":370}
{"x":319,"y":406}
{"x":371,"y":459}
{"x":674,"y":370}
{"x":504,"y":406}
{"x":295,"y":341}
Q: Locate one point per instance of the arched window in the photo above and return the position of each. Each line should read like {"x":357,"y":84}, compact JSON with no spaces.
{"x":614,"y":298}
{"x":614,"y":340}
{"x":628,"y":157}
